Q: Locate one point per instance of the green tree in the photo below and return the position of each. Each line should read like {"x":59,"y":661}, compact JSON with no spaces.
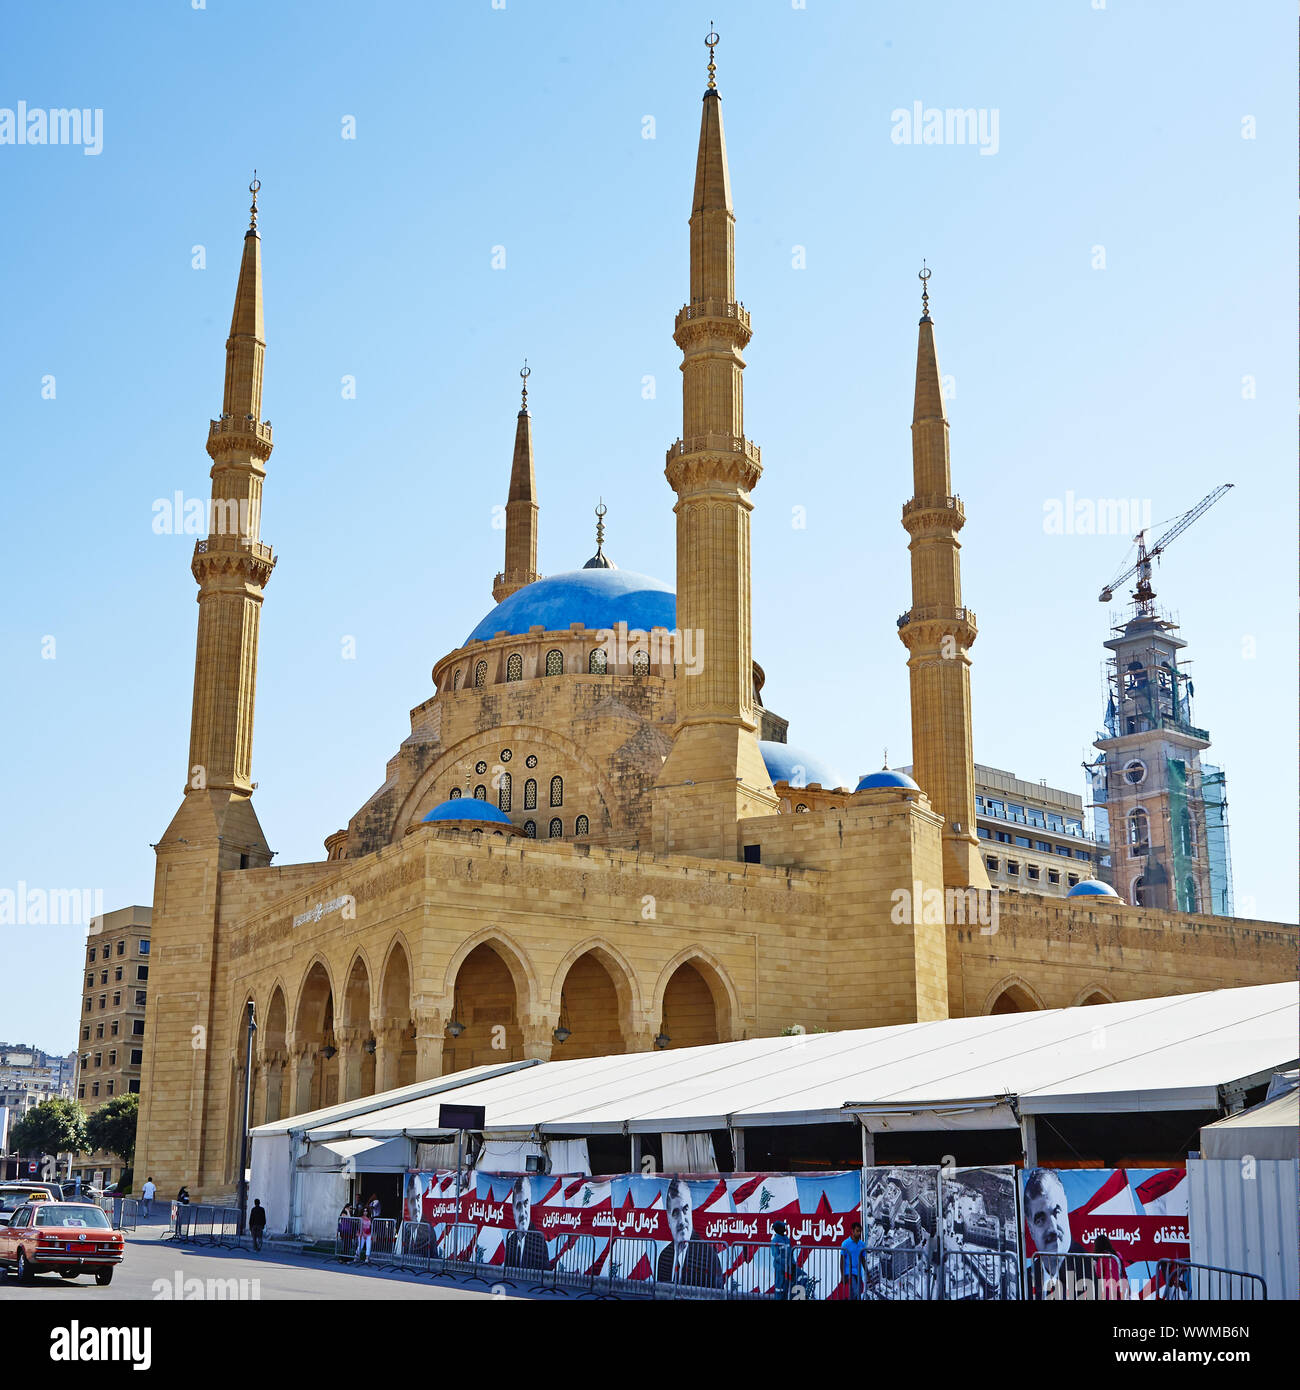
{"x":111,"y":1127}
{"x":55,"y":1126}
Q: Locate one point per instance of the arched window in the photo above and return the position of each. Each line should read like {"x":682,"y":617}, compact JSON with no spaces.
{"x":1139,"y":832}
{"x":455,"y":681}
{"x":801,"y":807}
{"x":598,"y":662}
{"x":530,"y":830}
{"x":530,"y":794}
{"x":480,"y":792}
{"x":640,"y":663}
{"x":1139,"y":892}
{"x":554,"y":662}
{"x":1187,"y":836}
{"x":582,"y":826}
{"x":557,"y":828}
{"x":1189,"y":892}
{"x":455,"y":794}
{"x":557,"y":791}
{"x":514,"y":667}
{"x":503,"y":792}
{"x":480,"y":675}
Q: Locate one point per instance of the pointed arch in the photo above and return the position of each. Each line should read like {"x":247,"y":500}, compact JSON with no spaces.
{"x":274,"y":1032}
{"x":516,"y":962}
{"x":726,"y":1005}
{"x":306,"y":984}
{"x":1092,"y":994}
{"x":626,"y":985}
{"x":396,"y":982}
{"x":353,"y":1010}
{"x":1020,"y":997}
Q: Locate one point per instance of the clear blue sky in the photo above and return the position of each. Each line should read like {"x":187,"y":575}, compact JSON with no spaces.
{"x":522,"y":127}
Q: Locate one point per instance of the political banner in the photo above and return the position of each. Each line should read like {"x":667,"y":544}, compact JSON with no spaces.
{"x":1134,"y":1217}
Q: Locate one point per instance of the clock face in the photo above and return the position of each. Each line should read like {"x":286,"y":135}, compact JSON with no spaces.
{"x":1135,"y":772}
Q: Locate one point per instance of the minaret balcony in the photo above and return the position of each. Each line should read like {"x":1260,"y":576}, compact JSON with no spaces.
{"x":937,"y":613}
{"x":947,"y":510}
{"x":228,"y":542}
{"x":717,"y":444}
{"x":232,"y":432}
{"x":703,"y":319}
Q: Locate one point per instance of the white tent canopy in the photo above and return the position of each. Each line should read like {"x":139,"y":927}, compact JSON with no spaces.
{"x":1271,"y":1130}
{"x":1173,"y":1053}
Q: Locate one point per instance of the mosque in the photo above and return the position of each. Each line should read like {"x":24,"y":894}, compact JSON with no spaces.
{"x":596,"y":838}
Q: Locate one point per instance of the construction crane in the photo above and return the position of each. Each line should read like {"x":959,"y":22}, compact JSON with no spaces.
{"x":1144,"y":595}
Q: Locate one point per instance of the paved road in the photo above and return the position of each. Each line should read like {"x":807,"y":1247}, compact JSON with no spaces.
{"x":157,"y":1269}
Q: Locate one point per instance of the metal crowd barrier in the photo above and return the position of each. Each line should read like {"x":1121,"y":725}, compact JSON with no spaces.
{"x":123,"y":1212}
{"x":383,"y":1240}
{"x":1184,"y":1280}
{"x":574,"y":1267}
{"x":417,"y":1246}
{"x":1080,"y":1277}
{"x":629,"y":1267}
{"x":346,"y":1235}
{"x":970,"y":1276}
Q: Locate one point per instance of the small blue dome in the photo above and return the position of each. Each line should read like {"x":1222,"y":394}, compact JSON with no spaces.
{"x":1092,"y":888}
{"x":467,"y":808}
{"x":596,"y":598}
{"x":886,"y":778}
{"x":785,"y":763}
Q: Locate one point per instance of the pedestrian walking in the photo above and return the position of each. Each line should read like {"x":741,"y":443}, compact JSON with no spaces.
{"x":146,"y":1196}
{"x":257,"y":1222}
{"x":363,"y":1243}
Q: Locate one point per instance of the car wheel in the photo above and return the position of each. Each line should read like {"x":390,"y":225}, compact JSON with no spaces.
{"x":23,"y":1270}
{"x":104,"y":1276}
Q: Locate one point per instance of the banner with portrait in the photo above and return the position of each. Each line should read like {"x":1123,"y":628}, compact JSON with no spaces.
{"x":1134,"y":1217}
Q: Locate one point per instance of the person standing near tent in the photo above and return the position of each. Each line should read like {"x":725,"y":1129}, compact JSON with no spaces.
{"x":782,"y":1259}
{"x":851,"y":1261}
{"x":257,"y":1222}
{"x":363,"y":1239}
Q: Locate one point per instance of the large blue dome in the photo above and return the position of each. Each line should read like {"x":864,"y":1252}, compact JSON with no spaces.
{"x":467,"y":808}
{"x":785,"y":763}
{"x":596,"y":598}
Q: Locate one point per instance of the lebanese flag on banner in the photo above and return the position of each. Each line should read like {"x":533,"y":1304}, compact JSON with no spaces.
{"x":1165,"y":1193}
{"x":1113,"y":1198}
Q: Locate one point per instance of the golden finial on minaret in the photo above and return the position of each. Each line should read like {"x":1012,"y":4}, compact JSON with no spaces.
{"x":923,"y":275}
{"x":711,"y":42}
{"x":253,"y":189}
{"x":885,"y":764}
{"x":601,"y":512}
{"x":525,"y":373}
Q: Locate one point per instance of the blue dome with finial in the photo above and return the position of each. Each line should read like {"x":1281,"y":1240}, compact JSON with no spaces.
{"x":886,"y":778}
{"x":467,"y":808}
{"x":1092,"y":888}
{"x":599,"y":599}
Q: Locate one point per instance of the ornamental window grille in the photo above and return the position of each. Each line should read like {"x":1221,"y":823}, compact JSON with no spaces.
{"x":640,"y":663}
{"x":582,"y":826}
{"x":554,"y":662}
{"x":514,"y":667}
{"x":557,"y":828}
{"x":598,"y":662}
{"x":480,"y":792}
{"x":455,"y":794}
{"x":530,"y":794}
{"x":530,"y":830}
{"x":557,"y":791}
{"x":480,"y":675}
{"x":503,"y":792}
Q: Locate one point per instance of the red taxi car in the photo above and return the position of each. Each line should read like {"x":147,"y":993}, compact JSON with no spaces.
{"x":70,"y":1238}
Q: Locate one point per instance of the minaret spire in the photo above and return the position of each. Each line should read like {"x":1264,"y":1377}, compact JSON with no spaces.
{"x":938,"y":630}
{"x":521,"y":507}
{"x":714,"y":774}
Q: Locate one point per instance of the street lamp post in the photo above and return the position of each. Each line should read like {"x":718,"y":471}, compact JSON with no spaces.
{"x":243,"y":1127}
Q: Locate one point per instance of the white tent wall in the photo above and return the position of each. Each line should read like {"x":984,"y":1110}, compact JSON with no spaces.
{"x":271,"y":1166}
{"x":1242,"y":1214}
{"x":321,"y":1197}
{"x":689,"y":1153}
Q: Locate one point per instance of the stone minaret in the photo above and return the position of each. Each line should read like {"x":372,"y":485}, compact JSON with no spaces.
{"x":188,"y":1048}
{"x":521,"y":509}
{"x":938,"y":631}
{"x":714,"y":773}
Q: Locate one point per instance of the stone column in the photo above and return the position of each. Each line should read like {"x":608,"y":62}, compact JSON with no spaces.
{"x":428,"y":1045}
{"x":302,"y":1065}
{"x":389,"y":1038}
{"x":349,"y":1063}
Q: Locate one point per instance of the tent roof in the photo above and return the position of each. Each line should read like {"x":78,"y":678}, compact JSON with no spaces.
{"x":1271,"y":1130}
{"x":1152,"y":1054}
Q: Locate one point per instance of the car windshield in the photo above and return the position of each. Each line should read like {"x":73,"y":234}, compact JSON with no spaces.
{"x":14,"y":1197}
{"x":70,"y":1214}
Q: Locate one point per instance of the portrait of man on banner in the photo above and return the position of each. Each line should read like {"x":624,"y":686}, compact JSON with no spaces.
{"x":525,"y":1248}
{"x":685,"y":1259}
